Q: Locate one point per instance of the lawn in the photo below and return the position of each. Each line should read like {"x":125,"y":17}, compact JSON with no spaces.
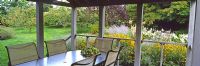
{"x":23,"y":35}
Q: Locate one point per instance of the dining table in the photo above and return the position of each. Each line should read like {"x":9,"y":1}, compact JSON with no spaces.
{"x":63,"y":59}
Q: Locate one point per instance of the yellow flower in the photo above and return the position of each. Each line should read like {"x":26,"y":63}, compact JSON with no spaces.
{"x":124,"y":36}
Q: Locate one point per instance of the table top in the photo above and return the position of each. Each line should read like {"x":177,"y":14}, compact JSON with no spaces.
{"x":63,"y":59}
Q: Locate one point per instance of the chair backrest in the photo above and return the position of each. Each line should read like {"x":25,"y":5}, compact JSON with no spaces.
{"x":56,"y":47}
{"x":104,"y":44}
{"x":112,"y":57}
{"x":21,"y":53}
{"x":86,"y":62}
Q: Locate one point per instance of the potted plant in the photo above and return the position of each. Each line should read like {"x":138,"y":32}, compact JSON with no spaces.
{"x":90,"y":51}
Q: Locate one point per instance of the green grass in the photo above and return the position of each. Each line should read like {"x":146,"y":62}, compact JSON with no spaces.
{"x":23,"y":35}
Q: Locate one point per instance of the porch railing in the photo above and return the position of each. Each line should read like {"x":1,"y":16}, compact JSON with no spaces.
{"x":118,"y":43}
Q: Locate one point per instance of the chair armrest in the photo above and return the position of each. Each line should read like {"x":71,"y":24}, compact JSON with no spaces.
{"x":81,"y":63}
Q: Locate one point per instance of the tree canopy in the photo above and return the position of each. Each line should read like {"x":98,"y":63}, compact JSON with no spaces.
{"x":177,"y":12}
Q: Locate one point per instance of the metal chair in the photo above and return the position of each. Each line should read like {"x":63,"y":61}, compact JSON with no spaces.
{"x":112,"y":57}
{"x":86,"y":62}
{"x":104,"y":44}
{"x":56,"y":47}
{"x":21,"y":53}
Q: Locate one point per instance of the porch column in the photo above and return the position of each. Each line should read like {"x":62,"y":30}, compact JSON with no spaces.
{"x":138,"y":34}
{"x":40,"y":29}
{"x":73,"y":28}
{"x":101,"y":20}
{"x":196,"y":39}
{"x":191,"y":32}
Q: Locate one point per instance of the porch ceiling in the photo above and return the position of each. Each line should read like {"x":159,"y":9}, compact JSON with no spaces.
{"x":88,"y":3}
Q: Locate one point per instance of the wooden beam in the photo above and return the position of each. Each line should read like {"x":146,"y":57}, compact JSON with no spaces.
{"x":191,"y":32}
{"x":88,"y":3}
{"x":196,"y":38}
{"x":52,"y":2}
{"x":40,"y":29}
{"x":138,"y":34}
{"x":101,"y":20}
{"x":73,"y":28}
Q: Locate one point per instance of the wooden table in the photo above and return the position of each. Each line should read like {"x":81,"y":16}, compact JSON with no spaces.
{"x":64,"y":59}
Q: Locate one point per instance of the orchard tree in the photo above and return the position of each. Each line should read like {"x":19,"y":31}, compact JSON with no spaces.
{"x":21,"y":17}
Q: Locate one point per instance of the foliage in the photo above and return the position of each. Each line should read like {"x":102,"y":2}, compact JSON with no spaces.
{"x":116,"y":14}
{"x":150,"y":55}
{"x":87,"y":18}
{"x":57,"y":17}
{"x":6,"y":33}
{"x":94,"y":28}
{"x":178,"y":11}
{"x":131,"y":11}
{"x":21,"y":17}
{"x":90,"y":51}
{"x":81,"y":43}
{"x":6,"y":5}
{"x":167,"y":36}
{"x":47,"y":7}
{"x":174,"y":54}
{"x":127,"y":54}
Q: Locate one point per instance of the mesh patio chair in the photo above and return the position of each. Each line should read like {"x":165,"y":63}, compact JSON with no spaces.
{"x":104,"y":44}
{"x":86,"y":62}
{"x":112,"y":57}
{"x":21,"y":53}
{"x":56,"y":47}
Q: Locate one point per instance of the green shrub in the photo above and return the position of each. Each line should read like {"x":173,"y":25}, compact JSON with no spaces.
{"x":150,"y":55}
{"x":81,"y":43}
{"x":85,"y":19}
{"x":6,"y":33}
{"x":21,"y":17}
{"x":59,"y":17}
{"x":172,"y":55}
{"x":127,"y":55}
{"x":94,"y":28}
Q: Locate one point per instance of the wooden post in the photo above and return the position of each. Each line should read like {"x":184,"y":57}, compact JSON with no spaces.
{"x":191,"y":31}
{"x":118,"y":45}
{"x":40,"y":29}
{"x":87,"y":41}
{"x":138,"y":34}
{"x":161,"y":53}
{"x":101,"y":21}
{"x":73,"y":28}
{"x":196,"y":38}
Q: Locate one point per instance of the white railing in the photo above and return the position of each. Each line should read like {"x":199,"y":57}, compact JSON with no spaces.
{"x":150,"y":41}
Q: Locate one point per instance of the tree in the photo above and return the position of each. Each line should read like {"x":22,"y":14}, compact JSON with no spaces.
{"x":7,"y":4}
{"x":21,"y":17}
{"x":116,"y":14}
{"x":177,"y":11}
{"x":57,"y":17}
